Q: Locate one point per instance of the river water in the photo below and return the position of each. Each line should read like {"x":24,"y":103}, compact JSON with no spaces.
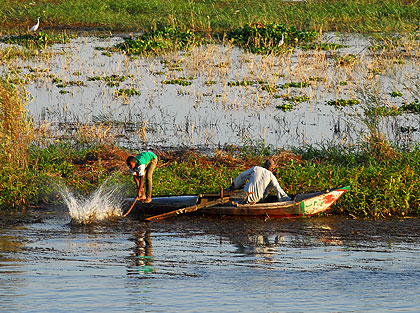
{"x":197,"y":264}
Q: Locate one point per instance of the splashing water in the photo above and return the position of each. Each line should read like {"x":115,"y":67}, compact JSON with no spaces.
{"x":104,"y":203}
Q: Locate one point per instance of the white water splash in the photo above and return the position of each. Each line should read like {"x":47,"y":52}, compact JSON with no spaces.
{"x":104,"y":203}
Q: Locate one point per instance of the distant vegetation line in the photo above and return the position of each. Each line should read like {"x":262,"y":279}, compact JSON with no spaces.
{"x":210,"y":15}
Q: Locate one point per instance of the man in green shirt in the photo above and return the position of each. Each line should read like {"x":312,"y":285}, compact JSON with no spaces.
{"x":143,"y":165}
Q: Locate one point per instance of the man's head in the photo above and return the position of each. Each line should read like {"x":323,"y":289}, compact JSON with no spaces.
{"x":270,"y":164}
{"x":131,"y":162}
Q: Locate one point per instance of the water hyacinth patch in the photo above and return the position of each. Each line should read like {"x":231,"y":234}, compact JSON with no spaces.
{"x":39,"y":40}
{"x":383,"y":111}
{"x":343,"y":102}
{"x":270,"y":38}
{"x":160,"y":39}
{"x":179,"y":81}
{"x":241,"y":83}
{"x":412,"y":107}
{"x":395,"y":94}
{"x":127,"y":92}
{"x":296,"y":99}
{"x":285,"y":107}
{"x":295,"y":85}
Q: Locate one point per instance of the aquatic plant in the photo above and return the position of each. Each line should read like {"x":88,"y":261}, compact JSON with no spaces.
{"x":285,"y":107}
{"x":39,"y":40}
{"x":383,"y":110}
{"x":127,"y":92}
{"x":241,"y":83}
{"x":412,"y":107}
{"x":295,"y":85}
{"x":159,"y":39}
{"x":268,"y":38}
{"x":343,"y":102}
{"x":395,"y":94}
{"x":179,"y":81}
{"x":295,"y":99}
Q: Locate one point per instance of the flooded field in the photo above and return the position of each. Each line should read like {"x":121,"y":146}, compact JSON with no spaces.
{"x":193,"y":264}
{"x":215,"y":95}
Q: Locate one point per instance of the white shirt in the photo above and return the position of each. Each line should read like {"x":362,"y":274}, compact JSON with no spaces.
{"x":260,"y":182}
{"x":139,"y":170}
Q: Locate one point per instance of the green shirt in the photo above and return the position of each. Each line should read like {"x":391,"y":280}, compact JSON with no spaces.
{"x":142,"y":160}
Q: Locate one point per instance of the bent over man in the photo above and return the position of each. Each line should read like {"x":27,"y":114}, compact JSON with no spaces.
{"x":143,"y":165}
{"x":260,"y":181}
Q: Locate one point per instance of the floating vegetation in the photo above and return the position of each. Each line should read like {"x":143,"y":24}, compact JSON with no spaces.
{"x":39,"y":40}
{"x":56,"y":80}
{"x":383,"y":111}
{"x":395,"y":94}
{"x":412,"y":107}
{"x":269,"y":38}
{"x":343,"y":83}
{"x":63,"y":92}
{"x":295,"y":85}
{"x":286,"y":107}
{"x":127,"y":92}
{"x":343,"y":102}
{"x":111,"y":80}
{"x":322,"y":46}
{"x":77,"y":73}
{"x":210,"y":82}
{"x":241,"y":83}
{"x":295,"y":99}
{"x":61,"y":84}
{"x":107,"y":54}
{"x":163,"y":38}
{"x":179,"y":81}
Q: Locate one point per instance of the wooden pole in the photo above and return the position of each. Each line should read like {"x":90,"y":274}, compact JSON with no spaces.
{"x":132,"y":206}
{"x":188,"y":209}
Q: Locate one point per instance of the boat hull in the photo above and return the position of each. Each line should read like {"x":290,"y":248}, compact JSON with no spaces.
{"x":302,"y":205}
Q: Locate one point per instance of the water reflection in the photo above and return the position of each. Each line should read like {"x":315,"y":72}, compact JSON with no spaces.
{"x":142,"y":258}
{"x":262,"y":247}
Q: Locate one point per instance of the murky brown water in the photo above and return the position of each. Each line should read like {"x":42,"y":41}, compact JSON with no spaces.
{"x":193,"y":264}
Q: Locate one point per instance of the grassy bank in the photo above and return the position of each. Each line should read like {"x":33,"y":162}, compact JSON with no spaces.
{"x":211,"y":16}
{"x":384,"y":182}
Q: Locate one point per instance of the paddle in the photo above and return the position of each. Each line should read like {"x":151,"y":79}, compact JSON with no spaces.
{"x":132,"y":206}
{"x":189,"y":209}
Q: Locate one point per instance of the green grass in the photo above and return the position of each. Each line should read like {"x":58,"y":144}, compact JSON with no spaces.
{"x":38,"y":40}
{"x":212,"y":16}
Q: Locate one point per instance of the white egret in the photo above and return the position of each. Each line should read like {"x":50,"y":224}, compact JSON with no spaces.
{"x":281,"y":42}
{"x":35,"y":27}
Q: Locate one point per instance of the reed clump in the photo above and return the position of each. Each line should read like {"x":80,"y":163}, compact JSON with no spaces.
{"x":15,"y":137}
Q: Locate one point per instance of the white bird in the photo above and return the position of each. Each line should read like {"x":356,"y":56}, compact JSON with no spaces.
{"x":281,"y":42}
{"x":35,"y":27}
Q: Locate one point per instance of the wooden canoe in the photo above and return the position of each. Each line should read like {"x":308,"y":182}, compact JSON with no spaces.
{"x":301,"y":205}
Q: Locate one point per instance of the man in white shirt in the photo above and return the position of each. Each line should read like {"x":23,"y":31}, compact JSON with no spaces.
{"x":260,"y":181}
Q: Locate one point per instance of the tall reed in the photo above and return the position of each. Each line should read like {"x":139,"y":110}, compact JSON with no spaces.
{"x":15,"y":136}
